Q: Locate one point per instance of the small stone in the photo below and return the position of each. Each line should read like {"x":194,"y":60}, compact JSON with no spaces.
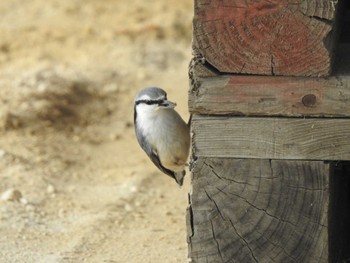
{"x":115,"y":136}
{"x":30,"y":208}
{"x":8,"y":120}
{"x":76,"y":138}
{"x":2,"y":153}
{"x":23,"y":201}
{"x":4,"y":119}
{"x":62,"y":213}
{"x":127,"y":207}
{"x":11,"y":195}
{"x":50,"y":189}
{"x":128,"y":124}
{"x":111,"y":88}
{"x":168,"y":213}
{"x":133,"y":189}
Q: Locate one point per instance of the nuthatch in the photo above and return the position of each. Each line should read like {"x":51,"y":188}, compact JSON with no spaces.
{"x":161,"y":132}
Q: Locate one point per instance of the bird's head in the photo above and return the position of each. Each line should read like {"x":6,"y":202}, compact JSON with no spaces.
{"x":152,"y":99}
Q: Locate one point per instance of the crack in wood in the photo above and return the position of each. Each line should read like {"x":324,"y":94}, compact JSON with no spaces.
{"x":270,"y":166}
{"x":268,"y":214}
{"x":308,"y":189}
{"x":229,"y":220}
{"x":254,"y":206}
{"x":272,"y":66}
{"x":245,"y":241}
{"x":216,"y":206}
{"x":259,"y":209}
{"x":240,"y":236}
{"x":278,"y":246}
{"x":190,"y":222}
{"x":249,"y":203}
{"x":242,"y":198}
{"x":322,"y":19}
{"x":216,"y":241}
{"x":225,"y":178}
{"x":266,"y":177}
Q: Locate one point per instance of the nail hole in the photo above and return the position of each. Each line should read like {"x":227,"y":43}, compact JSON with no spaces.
{"x":309,"y":100}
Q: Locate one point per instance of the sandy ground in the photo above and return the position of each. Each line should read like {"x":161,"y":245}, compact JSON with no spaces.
{"x":82,"y":189}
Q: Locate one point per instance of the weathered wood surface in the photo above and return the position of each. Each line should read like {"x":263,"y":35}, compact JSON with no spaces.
{"x":271,"y":138}
{"x":258,"y":211}
{"x":271,"y":96}
{"x":278,"y":37}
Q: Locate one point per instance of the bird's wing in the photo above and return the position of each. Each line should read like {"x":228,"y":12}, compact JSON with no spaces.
{"x":155,"y":159}
{"x":152,"y":153}
{"x":178,"y":177}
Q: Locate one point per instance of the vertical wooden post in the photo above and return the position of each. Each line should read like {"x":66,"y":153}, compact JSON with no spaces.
{"x":270,"y":185}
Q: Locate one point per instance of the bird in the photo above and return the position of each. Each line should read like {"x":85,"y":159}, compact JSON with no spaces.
{"x":161,"y":132}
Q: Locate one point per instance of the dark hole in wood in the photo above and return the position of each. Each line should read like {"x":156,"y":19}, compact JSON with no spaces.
{"x":309,"y":100}
{"x":341,"y":63}
{"x":347,"y":6}
{"x":339,"y":213}
{"x":344,"y":13}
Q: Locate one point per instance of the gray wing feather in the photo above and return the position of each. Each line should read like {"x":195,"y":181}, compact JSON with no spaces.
{"x":154,"y":157}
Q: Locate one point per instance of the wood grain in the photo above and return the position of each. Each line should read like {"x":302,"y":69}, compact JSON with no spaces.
{"x":268,"y":37}
{"x":258,"y":211}
{"x":271,"y":138}
{"x":271,"y":96}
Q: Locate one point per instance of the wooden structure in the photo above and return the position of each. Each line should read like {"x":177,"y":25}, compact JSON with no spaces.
{"x":270,"y":98}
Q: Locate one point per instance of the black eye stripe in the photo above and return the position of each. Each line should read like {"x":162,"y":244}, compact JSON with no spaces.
{"x":149,"y":102}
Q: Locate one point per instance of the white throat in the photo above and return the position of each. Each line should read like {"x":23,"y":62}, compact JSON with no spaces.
{"x":152,"y":119}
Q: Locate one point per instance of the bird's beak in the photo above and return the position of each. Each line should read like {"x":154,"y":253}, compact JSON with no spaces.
{"x":167,"y":104}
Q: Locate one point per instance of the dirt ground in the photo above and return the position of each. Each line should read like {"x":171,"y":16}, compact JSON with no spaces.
{"x":74,"y":184}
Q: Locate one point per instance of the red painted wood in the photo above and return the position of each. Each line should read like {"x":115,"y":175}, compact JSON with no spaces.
{"x":269,"y":37}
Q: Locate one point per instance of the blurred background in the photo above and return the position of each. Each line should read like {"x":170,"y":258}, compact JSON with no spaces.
{"x":74,"y":184}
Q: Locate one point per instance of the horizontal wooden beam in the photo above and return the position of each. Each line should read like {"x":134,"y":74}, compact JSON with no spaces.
{"x":286,"y":37}
{"x":271,"y":96}
{"x":271,"y":138}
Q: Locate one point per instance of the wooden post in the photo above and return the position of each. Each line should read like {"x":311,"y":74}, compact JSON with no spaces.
{"x":270,"y":165}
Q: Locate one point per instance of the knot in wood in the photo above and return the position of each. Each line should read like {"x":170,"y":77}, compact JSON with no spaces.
{"x":309,"y":100}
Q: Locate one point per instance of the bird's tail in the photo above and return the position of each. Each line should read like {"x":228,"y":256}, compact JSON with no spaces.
{"x":179,"y":177}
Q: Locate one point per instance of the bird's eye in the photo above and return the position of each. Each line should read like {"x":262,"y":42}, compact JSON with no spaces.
{"x":149,"y":102}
